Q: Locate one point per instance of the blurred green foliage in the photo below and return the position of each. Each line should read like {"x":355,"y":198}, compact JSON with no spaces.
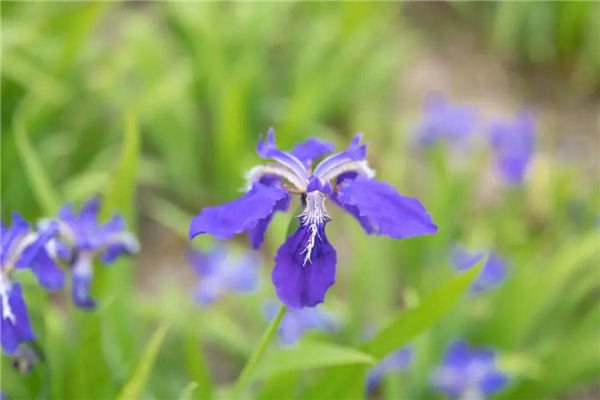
{"x":159,"y":106}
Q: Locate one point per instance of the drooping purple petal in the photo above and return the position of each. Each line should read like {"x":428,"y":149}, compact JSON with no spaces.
{"x":299,"y":283}
{"x":240,"y":215}
{"x":48,"y":274}
{"x":256,"y":235}
{"x":15,"y":325}
{"x":30,"y":253}
{"x":82,"y":274}
{"x":311,"y":149}
{"x":268,"y":150}
{"x":387,"y":212}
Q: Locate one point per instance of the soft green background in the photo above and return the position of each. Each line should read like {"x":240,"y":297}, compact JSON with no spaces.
{"x":159,"y":106}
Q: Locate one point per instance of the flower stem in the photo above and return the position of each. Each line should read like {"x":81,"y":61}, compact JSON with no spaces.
{"x":245,"y":375}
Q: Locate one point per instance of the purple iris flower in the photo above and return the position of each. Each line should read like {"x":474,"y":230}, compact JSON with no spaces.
{"x":305,"y":263}
{"x":514,"y":145}
{"x":447,"y":122}
{"x":468,"y":373}
{"x":222,"y":272}
{"x":90,"y":240}
{"x":296,"y":322}
{"x":399,"y":360}
{"x":21,"y":248}
{"x":492,"y":273}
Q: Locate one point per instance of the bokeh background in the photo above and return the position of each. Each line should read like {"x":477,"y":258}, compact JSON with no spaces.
{"x":201,"y":81}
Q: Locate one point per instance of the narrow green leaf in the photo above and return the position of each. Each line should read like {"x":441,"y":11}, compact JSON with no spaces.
{"x":170,"y":216}
{"x":39,"y":180}
{"x":196,"y":364}
{"x":339,"y":382}
{"x":310,"y":356}
{"x":411,"y":323}
{"x":134,"y":386}
{"x":119,"y":195}
{"x":187,"y":392}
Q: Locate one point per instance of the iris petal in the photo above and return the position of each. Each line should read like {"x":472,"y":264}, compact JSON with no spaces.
{"x":311,"y":149}
{"x":299,"y":283}
{"x":18,"y":328}
{"x":387,"y":212}
{"x":268,"y":149}
{"x":47,"y":273}
{"x":240,"y":215}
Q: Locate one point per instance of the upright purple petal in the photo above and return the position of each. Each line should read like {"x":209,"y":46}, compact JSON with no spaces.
{"x":15,"y":325}
{"x":341,"y":162}
{"x":382,"y":210}
{"x":33,"y":249}
{"x":11,"y":235}
{"x":311,"y":149}
{"x":269,"y":150}
{"x":240,"y":215}
{"x":299,"y":283}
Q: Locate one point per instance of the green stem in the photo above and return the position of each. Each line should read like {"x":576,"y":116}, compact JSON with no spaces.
{"x":256,"y":356}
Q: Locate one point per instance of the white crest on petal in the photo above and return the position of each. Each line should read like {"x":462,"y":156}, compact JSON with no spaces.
{"x":5,"y":287}
{"x":314,"y":216}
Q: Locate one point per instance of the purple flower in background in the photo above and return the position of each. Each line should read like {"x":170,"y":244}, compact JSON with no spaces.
{"x":305,"y":263}
{"x":514,"y":145}
{"x":468,"y":373}
{"x":21,"y":248}
{"x":492,"y":273}
{"x":296,"y":322}
{"x":399,"y":360}
{"x":447,"y":122}
{"x":222,"y":272}
{"x":90,"y":240}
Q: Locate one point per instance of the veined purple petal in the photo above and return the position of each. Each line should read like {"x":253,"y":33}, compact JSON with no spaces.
{"x":311,"y":149}
{"x":387,"y":212}
{"x":14,"y":326}
{"x":256,"y":235}
{"x":240,"y":215}
{"x":299,"y":283}
{"x":344,"y":161}
{"x":268,"y":150}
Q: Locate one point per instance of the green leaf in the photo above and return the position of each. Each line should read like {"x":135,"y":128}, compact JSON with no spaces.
{"x":282,"y":386}
{"x":120,"y":193}
{"x":39,"y":180}
{"x":411,"y":323}
{"x":135,"y":384}
{"x":196,"y":364}
{"x":309,"y":356}
{"x":186,"y":393}
{"x":340,"y":382}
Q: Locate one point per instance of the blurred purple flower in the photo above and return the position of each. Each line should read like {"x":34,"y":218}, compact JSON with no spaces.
{"x":514,"y":146}
{"x":399,"y":360}
{"x":296,"y":322}
{"x":305,"y":263}
{"x":21,"y":248}
{"x":221,"y":272}
{"x":446,"y":122}
{"x":90,"y":240}
{"x":492,"y":273}
{"x":468,"y":373}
